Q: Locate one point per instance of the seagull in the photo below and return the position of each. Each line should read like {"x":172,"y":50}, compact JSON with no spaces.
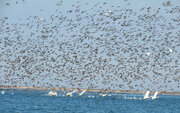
{"x":170,"y":50}
{"x":103,"y":95}
{"x":155,"y":95}
{"x":148,"y":53}
{"x":82,"y":92}
{"x":2,"y":92}
{"x":52,"y":93}
{"x":146,"y":96}
{"x":70,"y":94}
{"x":39,"y":19}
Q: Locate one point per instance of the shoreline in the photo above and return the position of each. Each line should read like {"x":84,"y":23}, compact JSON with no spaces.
{"x":80,"y":89}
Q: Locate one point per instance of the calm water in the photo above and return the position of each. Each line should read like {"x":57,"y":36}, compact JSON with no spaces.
{"x":40,"y":102}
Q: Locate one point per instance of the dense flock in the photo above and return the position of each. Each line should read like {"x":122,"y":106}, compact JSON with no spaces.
{"x":100,"y":46}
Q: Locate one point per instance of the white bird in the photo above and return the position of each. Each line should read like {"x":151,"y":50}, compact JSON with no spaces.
{"x":91,"y":96}
{"x":155,"y":95}
{"x":52,"y":93}
{"x":2,"y":92}
{"x":103,"y":95}
{"x":148,"y":53}
{"x":146,"y":96}
{"x":170,"y":50}
{"x":70,"y":94}
{"x":82,"y":92}
{"x":39,"y":19}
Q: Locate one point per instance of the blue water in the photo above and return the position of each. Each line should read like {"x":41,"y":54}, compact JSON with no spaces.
{"x":40,"y":102}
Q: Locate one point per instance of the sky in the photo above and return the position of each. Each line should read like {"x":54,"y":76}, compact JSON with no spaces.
{"x":95,"y":44}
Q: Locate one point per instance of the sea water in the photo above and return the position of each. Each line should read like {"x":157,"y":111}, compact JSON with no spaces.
{"x":36,"y":101}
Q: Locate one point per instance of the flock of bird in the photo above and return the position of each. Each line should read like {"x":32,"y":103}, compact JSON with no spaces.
{"x":94,"y":47}
{"x":70,"y":94}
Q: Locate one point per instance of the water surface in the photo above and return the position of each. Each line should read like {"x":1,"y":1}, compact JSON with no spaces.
{"x":39,"y":102}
